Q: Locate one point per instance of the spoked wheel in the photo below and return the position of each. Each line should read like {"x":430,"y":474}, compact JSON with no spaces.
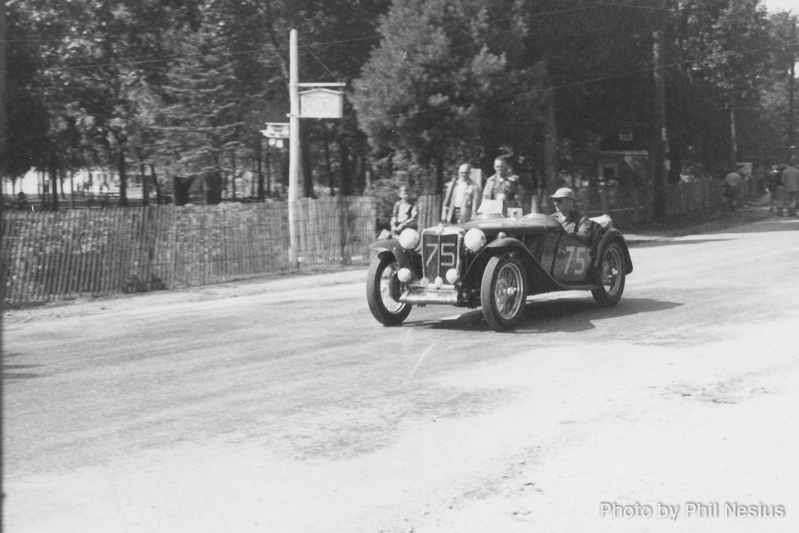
{"x":610,"y":277}
{"x":503,"y":292}
{"x":383,"y":290}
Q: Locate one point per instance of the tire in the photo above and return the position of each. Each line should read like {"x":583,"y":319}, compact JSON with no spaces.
{"x":610,"y":276}
{"x":503,"y":292}
{"x":383,"y":290}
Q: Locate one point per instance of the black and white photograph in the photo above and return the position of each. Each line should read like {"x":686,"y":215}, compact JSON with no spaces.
{"x":399,"y":266}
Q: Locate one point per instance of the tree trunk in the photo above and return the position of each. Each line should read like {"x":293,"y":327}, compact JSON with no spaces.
{"x":42,"y":188}
{"x":158,"y":198}
{"x":327,"y":162}
{"x":54,"y":180}
{"x":61,"y":179}
{"x":145,"y":190}
{"x":284,"y":172}
{"x":659,"y":133}
{"x":259,"y":150}
{"x":344,"y":166}
{"x":360,"y":172}
{"x":440,"y":172}
{"x":233,"y":177}
{"x":307,"y":174}
{"x":733,"y":137}
{"x":550,"y":148}
{"x":123,"y":179}
{"x":265,"y":190}
{"x":71,"y":185}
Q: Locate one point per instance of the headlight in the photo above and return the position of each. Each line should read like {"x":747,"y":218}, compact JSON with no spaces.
{"x":409,"y":238}
{"x":404,"y":275}
{"x":474,"y":239}
{"x":452,"y":276}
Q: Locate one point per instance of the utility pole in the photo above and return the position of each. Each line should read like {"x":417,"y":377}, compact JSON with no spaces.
{"x":791,"y":84}
{"x":294,"y":143}
{"x":659,"y":136}
{"x":3,"y":267}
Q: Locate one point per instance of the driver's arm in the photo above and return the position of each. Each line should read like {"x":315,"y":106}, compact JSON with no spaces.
{"x":584,"y":231}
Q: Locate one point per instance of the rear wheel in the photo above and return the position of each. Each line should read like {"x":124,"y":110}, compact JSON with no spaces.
{"x":610,"y":276}
{"x":503,"y":292}
{"x":383,"y":290}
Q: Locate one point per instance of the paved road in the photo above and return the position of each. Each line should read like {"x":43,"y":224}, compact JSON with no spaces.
{"x":283,"y":406}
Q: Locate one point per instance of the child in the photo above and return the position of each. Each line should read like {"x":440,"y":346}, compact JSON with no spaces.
{"x":404,"y":215}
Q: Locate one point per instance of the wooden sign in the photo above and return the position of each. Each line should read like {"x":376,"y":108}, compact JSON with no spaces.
{"x":321,"y":103}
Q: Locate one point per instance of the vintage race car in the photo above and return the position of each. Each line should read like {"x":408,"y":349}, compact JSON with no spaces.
{"x":494,"y":261}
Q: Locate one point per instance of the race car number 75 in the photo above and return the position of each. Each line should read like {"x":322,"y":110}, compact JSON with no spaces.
{"x":448,"y":257}
{"x":576,"y":260}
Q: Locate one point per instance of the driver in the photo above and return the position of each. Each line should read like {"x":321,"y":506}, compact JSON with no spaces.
{"x":573,"y":222}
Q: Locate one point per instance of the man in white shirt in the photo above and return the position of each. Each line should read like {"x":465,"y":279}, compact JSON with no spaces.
{"x":462,"y":197}
{"x":503,"y":185}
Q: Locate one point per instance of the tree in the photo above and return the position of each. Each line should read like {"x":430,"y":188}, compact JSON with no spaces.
{"x":721,"y":48}
{"x":446,"y":82}
{"x":201,"y":117}
{"x":27,"y":115}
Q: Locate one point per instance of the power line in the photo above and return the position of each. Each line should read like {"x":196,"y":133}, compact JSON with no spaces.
{"x":596,"y":80}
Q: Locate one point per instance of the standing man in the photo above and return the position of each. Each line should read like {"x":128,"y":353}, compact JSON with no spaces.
{"x":732,"y":188}
{"x":790,"y":179}
{"x":775,"y":190}
{"x":462,"y":197}
{"x":503,"y":185}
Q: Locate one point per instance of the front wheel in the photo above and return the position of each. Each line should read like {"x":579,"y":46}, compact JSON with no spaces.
{"x":503,"y":292}
{"x":610,"y":276}
{"x":383,"y":290}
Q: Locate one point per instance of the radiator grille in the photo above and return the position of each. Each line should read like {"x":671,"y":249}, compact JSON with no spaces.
{"x":440,"y":252}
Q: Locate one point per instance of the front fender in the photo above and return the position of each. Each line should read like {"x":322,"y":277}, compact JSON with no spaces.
{"x":611,"y":236}
{"x":405,"y":258}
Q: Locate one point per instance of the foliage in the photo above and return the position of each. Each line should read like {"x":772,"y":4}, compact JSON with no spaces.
{"x":199,"y":122}
{"x":186,"y":85}
{"x":445,"y":81}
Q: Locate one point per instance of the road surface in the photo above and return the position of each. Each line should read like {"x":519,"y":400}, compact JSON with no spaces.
{"x":283,"y":406}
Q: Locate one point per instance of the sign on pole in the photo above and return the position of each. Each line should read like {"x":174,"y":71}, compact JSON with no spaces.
{"x":276,"y":130}
{"x":321,"y":103}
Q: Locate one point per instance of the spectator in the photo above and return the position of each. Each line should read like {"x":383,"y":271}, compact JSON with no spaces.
{"x":22,"y":201}
{"x":405,"y":213}
{"x":732,"y":188}
{"x":503,"y":185}
{"x":790,"y":180}
{"x":462,"y":198}
{"x":775,"y":189}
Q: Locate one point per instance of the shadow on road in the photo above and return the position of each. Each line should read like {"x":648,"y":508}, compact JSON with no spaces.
{"x":15,"y":372}
{"x":567,"y":315}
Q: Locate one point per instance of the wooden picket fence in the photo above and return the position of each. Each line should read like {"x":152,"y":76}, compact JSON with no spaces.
{"x":60,"y":255}
{"x":697,"y":196}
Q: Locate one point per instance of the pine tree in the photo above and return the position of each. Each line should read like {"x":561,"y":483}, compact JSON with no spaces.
{"x":447,"y":83}
{"x":202,"y":115}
